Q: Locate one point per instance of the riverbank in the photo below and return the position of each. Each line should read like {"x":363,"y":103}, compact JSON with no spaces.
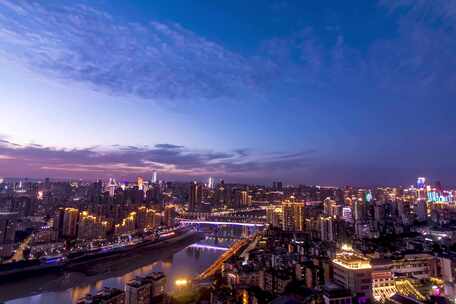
{"x":92,"y":273}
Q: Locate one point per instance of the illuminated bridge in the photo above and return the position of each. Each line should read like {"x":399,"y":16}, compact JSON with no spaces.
{"x":211,"y":247}
{"x":196,"y":221}
{"x":250,"y":217}
{"x":239,"y":215}
{"x":234,"y":249}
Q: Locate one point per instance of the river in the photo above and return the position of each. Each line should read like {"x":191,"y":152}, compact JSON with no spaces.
{"x":185,"y":259}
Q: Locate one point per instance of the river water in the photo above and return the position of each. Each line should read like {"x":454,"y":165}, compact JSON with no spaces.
{"x":185,"y":259}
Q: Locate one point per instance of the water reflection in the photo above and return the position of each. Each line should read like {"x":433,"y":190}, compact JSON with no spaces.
{"x":185,"y":261}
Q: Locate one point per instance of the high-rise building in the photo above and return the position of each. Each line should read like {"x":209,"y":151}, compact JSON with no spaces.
{"x":57,"y":225}
{"x":421,"y":182}
{"x":70,"y":222}
{"x":221,"y":194}
{"x":358,"y":210}
{"x":169,"y":215}
{"x":421,"y":210}
{"x":347,"y":214}
{"x":7,"y":232}
{"x":196,"y":193}
{"x":128,"y":224}
{"x":242,"y":199}
{"x":244,"y":196}
{"x":111,"y":187}
{"x":330,"y":207}
{"x":154,"y":177}
{"x":140,"y":183}
{"x":293,"y":216}
{"x":141,"y":217}
{"x":274,"y":216}
{"x":153,"y":194}
{"x":91,"y":227}
{"x":210,"y":182}
{"x":421,"y":188}
{"x":327,"y":231}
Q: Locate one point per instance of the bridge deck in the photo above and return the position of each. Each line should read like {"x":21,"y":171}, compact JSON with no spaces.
{"x":185,"y":221}
{"x":211,"y":270}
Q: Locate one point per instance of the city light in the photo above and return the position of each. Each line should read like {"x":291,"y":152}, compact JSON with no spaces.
{"x":181,"y":282}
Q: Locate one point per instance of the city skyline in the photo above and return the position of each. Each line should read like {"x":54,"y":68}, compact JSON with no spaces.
{"x":303,"y":93}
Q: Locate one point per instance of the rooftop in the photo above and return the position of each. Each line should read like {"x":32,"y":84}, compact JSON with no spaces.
{"x":351,"y":260}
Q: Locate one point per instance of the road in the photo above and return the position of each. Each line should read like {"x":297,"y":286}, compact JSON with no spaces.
{"x":19,"y":254}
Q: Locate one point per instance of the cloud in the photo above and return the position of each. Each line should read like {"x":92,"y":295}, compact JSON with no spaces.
{"x":427,"y":11}
{"x":154,"y":60}
{"x":174,"y":161}
{"x":170,"y":64}
{"x":384,"y":97}
{"x":416,"y":64}
{"x":168,"y":146}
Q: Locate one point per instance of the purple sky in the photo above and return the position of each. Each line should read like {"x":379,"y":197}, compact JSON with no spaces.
{"x":315,"y":93}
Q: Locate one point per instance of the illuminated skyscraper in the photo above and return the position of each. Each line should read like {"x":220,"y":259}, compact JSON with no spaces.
{"x":330,"y":207}
{"x":293,"y":216}
{"x":169,"y":214}
{"x":154,"y":177}
{"x":421,"y":182}
{"x":347,"y":214}
{"x":210,"y":183}
{"x":70,"y":222}
{"x":244,"y":198}
{"x":274,"y":216}
{"x":141,"y":217}
{"x":241,"y":198}
{"x":91,"y":227}
{"x":358,"y":210}
{"x":327,"y":232}
{"x":111,"y":187}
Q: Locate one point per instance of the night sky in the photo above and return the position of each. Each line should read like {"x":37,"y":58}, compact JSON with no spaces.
{"x":313,"y":92}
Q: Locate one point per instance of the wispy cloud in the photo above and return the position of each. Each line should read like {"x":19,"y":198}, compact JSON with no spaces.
{"x":403,"y":81}
{"x":161,"y":61}
{"x":426,"y":11}
{"x":167,"y":62}
{"x":168,"y":159}
{"x":416,"y":64}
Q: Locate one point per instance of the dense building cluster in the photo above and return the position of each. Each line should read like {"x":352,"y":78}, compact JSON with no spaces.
{"x":357,"y":245}
{"x":320,"y":244}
